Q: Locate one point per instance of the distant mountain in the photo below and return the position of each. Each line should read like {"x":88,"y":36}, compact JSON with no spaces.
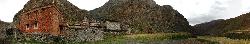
{"x":142,"y":15}
{"x":219,"y":27}
{"x":208,"y":27}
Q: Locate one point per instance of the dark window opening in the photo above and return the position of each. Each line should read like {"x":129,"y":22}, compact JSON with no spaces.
{"x":27,"y":26}
{"x":35,"y":25}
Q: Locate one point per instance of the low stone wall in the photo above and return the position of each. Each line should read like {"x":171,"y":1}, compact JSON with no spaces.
{"x":76,"y":35}
{"x":90,"y":34}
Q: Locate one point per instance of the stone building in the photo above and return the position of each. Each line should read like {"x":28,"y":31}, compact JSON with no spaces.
{"x":47,"y":16}
{"x":41,"y":20}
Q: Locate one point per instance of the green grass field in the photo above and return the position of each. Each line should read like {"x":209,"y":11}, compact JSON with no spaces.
{"x":224,"y":40}
{"x":157,"y":38}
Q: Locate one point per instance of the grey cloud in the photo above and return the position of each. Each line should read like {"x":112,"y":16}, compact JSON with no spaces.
{"x":216,"y":11}
{"x":201,"y":19}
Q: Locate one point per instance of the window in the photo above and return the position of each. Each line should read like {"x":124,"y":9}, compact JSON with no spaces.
{"x":27,"y":26}
{"x":36,"y":25}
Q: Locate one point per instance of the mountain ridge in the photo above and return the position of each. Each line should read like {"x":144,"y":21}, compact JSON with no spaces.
{"x":142,"y":15}
{"x":224,"y":26}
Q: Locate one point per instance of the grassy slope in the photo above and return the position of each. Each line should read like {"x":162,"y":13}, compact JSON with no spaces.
{"x":130,"y":39}
{"x":158,"y":38}
{"x":224,"y":40}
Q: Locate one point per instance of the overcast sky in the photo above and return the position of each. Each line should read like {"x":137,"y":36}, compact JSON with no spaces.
{"x":196,"y":11}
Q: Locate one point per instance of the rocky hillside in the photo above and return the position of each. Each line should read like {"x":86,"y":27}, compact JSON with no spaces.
{"x":207,"y":27}
{"x":3,"y":26}
{"x":223,"y":26}
{"x":142,"y":16}
{"x":70,"y":11}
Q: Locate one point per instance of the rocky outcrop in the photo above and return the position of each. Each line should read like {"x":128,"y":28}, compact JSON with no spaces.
{"x":3,"y":24}
{"x":221,"y":27}
{"x":3,"y":27}
{"x":143,"y":16}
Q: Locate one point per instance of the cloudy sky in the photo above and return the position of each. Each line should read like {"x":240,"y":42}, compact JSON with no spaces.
{"x":196,"y":11}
